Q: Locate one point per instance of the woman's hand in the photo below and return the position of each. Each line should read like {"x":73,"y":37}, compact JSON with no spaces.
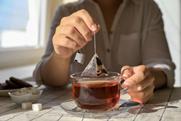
{"x":73,"y":33}
{"x":140,"y":82}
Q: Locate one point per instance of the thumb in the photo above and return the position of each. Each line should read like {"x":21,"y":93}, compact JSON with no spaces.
{"x":126,"y":72}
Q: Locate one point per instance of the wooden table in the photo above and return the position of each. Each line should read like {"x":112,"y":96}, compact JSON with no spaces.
{"x":164,"y":106}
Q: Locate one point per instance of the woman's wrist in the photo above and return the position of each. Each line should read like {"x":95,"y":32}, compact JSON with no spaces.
{"x":160,"y":77}
{"x":58,"y":57}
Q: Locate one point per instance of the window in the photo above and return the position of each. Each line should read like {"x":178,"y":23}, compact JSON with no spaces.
{"x":171,"y":16}
{"x":19,"y":23}
{"x":67,"y":1}
{"x":22,"y":26}
{"x":24,"y":29}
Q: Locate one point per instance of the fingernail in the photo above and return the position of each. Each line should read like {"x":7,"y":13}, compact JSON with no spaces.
{"x":139,"y":88}
{"x":125,"y":76}
{"x":137,"y":100}
{"x":128,"y":82}
{"x":94,"y":27}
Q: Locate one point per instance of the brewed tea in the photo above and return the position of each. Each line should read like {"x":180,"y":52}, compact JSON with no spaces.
{"x":96,"y":95}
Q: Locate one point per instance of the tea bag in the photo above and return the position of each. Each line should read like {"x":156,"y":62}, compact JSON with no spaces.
{"x":95,"y":67}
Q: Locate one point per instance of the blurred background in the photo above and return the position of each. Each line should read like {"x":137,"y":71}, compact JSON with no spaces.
{"x":24,"y":28}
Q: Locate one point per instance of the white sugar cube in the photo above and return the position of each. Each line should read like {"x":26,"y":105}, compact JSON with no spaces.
{"x":37,"y":107}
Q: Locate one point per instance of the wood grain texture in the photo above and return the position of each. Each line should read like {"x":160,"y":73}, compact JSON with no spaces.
{"x":173,"y":108}
{"x":164,"y":106}
{"x":154,"y":110}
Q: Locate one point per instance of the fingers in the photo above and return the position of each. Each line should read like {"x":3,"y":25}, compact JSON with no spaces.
{"x":83,"y":22}
{"x":143,"y":100}
{"x":148,"y":81}
{"x":139,"y":81}
{"x":126,"y":72}
{"x":73,"y":34}
{"x":139,"y":74}
{"x":134,"y":80}
{"x":142,"y":96}
{"x":65,"y":42}
{"x":87,"y":19}
{"x":145,"y":83}
{"x":124,"y":68}
{"x":79,"y":24}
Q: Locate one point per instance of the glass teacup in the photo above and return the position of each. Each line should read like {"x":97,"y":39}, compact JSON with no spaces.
{"x":96,"y":93}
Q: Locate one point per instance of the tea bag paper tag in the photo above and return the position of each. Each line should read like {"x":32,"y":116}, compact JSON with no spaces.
{"x":94,"y":68}
{"x":80,"y":58}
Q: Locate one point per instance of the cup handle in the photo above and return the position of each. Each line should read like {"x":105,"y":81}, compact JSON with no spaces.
{"x":124,"y":90}
{"x":122,"y":79}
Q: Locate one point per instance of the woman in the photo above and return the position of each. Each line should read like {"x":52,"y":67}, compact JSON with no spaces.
{"x":128,"y":32}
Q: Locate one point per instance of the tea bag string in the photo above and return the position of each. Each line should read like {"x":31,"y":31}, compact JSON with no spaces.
{"x":95,"y":51}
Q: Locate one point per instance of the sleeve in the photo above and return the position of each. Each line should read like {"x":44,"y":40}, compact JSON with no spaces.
{"x":61,"y":12}
{"x":155,"y":50}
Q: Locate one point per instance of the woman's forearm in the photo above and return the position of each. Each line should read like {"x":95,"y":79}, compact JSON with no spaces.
{"x":55,"y":71}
